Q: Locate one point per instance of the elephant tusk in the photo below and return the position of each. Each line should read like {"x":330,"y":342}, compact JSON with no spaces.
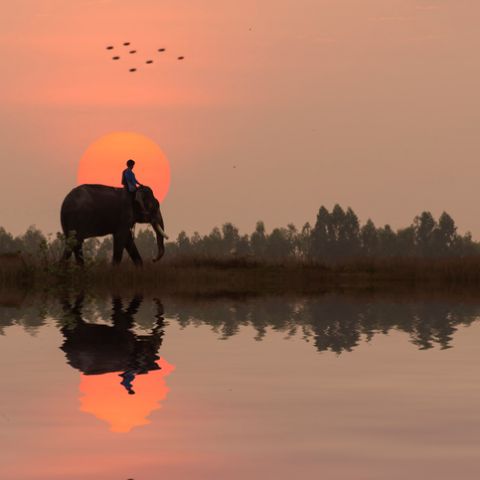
{"x":161,"y":231}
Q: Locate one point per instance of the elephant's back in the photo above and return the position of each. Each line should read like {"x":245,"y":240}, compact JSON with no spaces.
{"x":89,"y":205}
{"x":87,"y":197}
{"x":90,"y":190}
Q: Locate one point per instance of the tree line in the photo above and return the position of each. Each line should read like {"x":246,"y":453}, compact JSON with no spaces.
{"x":336,"y":236}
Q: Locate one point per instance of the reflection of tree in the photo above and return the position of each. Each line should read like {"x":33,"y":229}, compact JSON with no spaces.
{"x":334,"y":326}
{"x":15,"y":309}
{"x":339,"y":327}
{"x":124,"y":336}
{"x":434,"y":324}
{"x":31,"y":318}
{"x":334,"y":323}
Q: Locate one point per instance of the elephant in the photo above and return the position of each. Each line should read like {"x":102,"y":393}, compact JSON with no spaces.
{"x":98,"y":210}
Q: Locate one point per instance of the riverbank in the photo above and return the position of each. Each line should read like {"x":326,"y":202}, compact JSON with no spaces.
{"x":239,"y":276}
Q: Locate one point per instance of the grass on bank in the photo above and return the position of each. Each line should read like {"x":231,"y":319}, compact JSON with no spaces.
{"x":217,"y":276}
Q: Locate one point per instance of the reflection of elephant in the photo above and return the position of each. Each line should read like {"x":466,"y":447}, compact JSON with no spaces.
{"x":97,"y":210}
{"x":96,"y":349}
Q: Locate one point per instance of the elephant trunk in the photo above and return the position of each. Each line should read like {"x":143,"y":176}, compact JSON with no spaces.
{"x":157,"y":225}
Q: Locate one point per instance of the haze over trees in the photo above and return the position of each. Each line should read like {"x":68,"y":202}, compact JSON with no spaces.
{"x":337,"y":236}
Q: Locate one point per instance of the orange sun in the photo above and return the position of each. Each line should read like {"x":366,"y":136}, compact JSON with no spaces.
{"x":104,"y":160}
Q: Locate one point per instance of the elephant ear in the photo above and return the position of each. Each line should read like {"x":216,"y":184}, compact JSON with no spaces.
{"x":149,"y":198}
{"x":146,"y":189}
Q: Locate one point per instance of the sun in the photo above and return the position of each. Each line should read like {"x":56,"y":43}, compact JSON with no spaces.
{"x":105,"y":159}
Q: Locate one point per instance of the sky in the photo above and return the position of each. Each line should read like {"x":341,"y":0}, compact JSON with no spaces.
{"x":279,"y":107}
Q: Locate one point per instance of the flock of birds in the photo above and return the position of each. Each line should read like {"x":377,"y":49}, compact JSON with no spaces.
{"x":133,"y":52}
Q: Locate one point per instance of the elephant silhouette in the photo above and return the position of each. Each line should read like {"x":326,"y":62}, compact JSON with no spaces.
{"x":95,"y":349}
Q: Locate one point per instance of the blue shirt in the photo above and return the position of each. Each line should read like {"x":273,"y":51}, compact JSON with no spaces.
{"x":128,"y":180}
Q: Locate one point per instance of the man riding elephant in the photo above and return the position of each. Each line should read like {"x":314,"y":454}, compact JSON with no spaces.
{"x":98,"y":210}
{"x":131,"y":184}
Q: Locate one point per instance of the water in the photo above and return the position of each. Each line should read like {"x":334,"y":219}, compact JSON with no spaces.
{"x":333,"y":387}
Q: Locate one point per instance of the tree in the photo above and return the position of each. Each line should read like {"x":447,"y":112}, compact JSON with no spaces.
{"x":105,"y":249}
{"x":279,"y":246}
{"x":424,"y":227}
{"x":321,"y":238}
{"x":230,"y":238}
{"x":369,"y":239}
{"x":387,"y":242}
{"x":304,"y":241}
{"x":90,"y":247}
{"x":243,"y":246}
{"x":336,"y":226}
{"x":350,"y":233}
{"x":196,"y":243}
{"x":444,"y":237}
{"x":212,"y":244}
{"x":7,"y":242}
{"x":183,"y":244}
{"x":32,"y":241}
{"x":146,"y":243}
{"x":465,"y":246}
{"x":258,"y":240}
{"x":405,"y":245}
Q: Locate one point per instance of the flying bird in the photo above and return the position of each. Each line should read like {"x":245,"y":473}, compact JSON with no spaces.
{"x":147,"y":61}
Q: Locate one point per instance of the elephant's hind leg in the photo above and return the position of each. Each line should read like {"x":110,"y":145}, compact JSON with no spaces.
{"x":70,"y":242}
{"x":78,"y":251}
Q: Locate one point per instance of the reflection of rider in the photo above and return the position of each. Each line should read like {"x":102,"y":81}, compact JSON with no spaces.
{"x":128,"y":378}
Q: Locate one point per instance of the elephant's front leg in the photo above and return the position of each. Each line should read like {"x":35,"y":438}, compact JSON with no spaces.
{"x":133,"y":251}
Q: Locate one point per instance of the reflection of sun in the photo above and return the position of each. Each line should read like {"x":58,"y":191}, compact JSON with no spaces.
{"x":106,"y":399}
{"x":104,"y":160}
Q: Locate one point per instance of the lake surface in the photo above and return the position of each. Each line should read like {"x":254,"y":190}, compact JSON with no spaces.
{"x":333,"y":387}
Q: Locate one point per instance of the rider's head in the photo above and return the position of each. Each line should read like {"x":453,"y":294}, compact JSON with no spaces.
{"x":130,"y":163}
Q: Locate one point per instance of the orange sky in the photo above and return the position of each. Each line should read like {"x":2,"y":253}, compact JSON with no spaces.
{"x":372,"y":104}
